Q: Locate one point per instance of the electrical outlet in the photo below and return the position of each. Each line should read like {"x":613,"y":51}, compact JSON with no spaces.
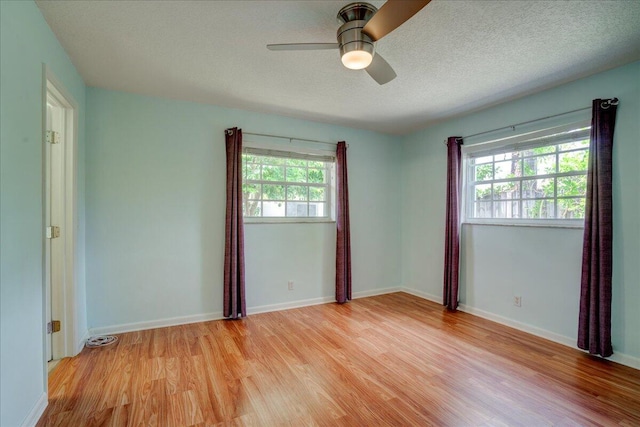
{"x":290,"y":284}
{"x":517,"y":301}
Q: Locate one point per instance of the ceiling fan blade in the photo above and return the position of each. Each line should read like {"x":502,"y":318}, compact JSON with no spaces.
{"x":302,"y":46}
{"x":380,"y":70}
{"x":391,"y":15}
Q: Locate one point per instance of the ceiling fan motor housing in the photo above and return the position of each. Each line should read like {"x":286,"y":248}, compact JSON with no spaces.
{"x":353,"y":18}
{"x":358,"y":11}
{"x":350,"y":38}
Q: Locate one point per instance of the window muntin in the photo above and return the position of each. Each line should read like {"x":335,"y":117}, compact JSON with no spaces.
{"x":286,"y":185}
{"x":534,"y":181}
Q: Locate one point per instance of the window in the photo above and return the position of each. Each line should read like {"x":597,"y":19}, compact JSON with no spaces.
{"x":536,"y":180}
{"x":286,"y":186}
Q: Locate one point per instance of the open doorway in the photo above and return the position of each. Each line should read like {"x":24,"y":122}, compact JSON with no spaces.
{"x":60,"y":125}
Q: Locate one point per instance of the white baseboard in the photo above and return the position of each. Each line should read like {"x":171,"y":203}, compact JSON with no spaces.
{"x":374,"y":292}
{"x":423,"y":295}
{"x":621,"y":358}
{"x":533,"y":330}
{"x":317,"y":301}
{"x":37,"y":411}
{"x":289,"y":305}
{"x":175,"y":321}
{"x":153,"y":324}
{"x":625,"y":359}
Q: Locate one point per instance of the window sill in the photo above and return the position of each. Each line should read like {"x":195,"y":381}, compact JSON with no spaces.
{"x":577,"y":224}
{"x":287,"y":221}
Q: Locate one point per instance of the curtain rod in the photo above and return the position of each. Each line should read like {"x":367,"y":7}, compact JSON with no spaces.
{"x":613,"y":101}
{"x":291,"y":138}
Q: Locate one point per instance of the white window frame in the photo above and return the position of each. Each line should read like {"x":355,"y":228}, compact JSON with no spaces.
{"x":295,"y":152}
{"x":522,"y":141}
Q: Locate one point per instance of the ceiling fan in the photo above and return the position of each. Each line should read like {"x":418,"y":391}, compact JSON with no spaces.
{"x":362,"y":24}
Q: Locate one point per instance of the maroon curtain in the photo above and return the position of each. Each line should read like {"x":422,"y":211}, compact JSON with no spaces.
{"x":452,"y":233}
{"x":234,"y":300}
{"x":343,"y":238}
{"x":594,"y":327}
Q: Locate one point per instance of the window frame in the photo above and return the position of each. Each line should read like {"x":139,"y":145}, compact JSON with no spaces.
{"x":299,"y":153}
{"x":554,"y":136}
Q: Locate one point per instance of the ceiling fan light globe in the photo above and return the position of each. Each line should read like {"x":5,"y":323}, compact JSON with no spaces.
{"x":357,"y":59}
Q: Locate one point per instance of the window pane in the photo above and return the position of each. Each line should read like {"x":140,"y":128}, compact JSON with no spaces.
{"x":487,"y":159}
{"x":505,"y":209}
{"x":571,"y":208}
{"x":484,"y":172}
{"x":537,"y":188}
{"x":251,"y":191}
{"x":506,"y":190}
{"x":573,"y":161}
{"x":574,"y":144}
{"x":296,"y":175}
{"x":316,"y":194}
{"x":251,"y":208}
{"x":572,"y":185}
{"x":509,"y":169}
{"x":482,"y":209}
{"x":296,"y":162}
{"x":250,"y":158}
{"x":538,"y":209}
{"x":272,"y":160}
{"x":273,"y":208}
{"x":297,"y":209}
{"x":541,"y":165}
{"x":297,"y":192}
{"x":317,"y":176}
{"x":279,"y":186}
{"x":317,"y":209}
{"x":546,"y":182}
{"x":505,"y":156}
{"x":272,"y":192}
{"x":251,"y":171}
{"x":272,"y":173}
{"x":482,"y":192}
{"x":539,"y":150}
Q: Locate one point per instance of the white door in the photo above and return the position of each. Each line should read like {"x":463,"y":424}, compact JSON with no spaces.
{"x":47,"y":177}
{"x":55,"y":218}
{"x":60,"y":117}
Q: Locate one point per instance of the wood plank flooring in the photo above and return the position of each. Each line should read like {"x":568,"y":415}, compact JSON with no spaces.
{"x":390,"y":360}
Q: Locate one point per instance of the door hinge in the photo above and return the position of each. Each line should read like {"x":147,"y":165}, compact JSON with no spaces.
{"x":53,"y":137}
{"x":53,"y":326}
{"x":53,"y":232}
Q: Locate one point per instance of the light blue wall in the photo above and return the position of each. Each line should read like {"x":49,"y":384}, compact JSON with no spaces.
{"x":26,"y":42}
{"x":541,"y":265}
{"x":156,"y":203}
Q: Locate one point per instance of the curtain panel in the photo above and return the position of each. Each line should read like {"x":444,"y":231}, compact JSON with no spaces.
{"x":594,"y":327}
{"x":452,"y":232}
{"x":234,"y":292}
{"x":343,"y":237}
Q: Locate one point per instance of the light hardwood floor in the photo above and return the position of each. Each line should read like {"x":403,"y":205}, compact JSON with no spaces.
{"x":388,"y":360}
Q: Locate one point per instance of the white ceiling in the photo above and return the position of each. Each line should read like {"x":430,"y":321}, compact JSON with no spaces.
{"x":451,"y":58}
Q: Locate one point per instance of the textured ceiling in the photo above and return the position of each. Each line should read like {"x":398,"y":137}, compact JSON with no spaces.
{"x":451,"y":58}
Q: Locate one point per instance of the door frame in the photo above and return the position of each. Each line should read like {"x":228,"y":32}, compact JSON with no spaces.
{"x":67,"y":309}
